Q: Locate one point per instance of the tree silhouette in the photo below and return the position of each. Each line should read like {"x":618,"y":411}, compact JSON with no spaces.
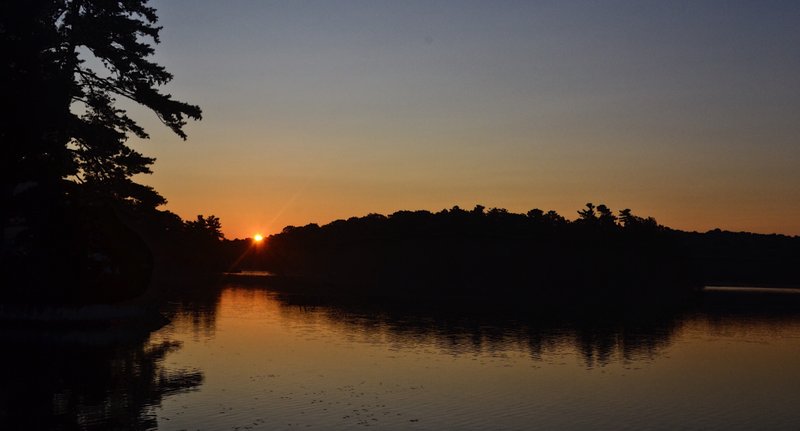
{"x":588,"y":215}
{"x":633,"y":222}
{"x":66,"y":166}
{"x":208,"y":228}
{"x":70,"y":62}
{"x":606,"y":216}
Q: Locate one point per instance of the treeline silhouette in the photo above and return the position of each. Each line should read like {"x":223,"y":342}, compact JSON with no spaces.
{"x":479,"y":252}
{"x":601,"y":254}
{"x":744,"y":258}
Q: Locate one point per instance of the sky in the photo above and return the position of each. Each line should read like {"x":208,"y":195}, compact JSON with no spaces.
{"x":319,"y":110}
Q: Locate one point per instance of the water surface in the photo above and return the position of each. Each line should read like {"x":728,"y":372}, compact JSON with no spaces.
{"x":243,"y":357}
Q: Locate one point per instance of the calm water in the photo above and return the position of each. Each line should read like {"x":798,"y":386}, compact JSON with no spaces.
{"x":242,"y":357}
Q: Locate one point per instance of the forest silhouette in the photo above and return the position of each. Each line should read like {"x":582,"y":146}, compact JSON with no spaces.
{"x":494,"y":252}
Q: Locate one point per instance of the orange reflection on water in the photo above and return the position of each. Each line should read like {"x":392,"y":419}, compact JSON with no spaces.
{"x":289,"y":361}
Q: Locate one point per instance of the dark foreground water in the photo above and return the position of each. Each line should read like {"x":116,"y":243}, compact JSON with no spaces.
{"x":242,"y":357}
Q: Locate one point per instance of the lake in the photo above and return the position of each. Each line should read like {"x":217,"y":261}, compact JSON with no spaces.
{"x":242,"y":357}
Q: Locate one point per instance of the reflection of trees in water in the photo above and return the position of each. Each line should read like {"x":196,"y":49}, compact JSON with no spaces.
{"x":620,"y":333}
{"x":600,"y":333}
{"x":629,"y":339}
{"x":194,"y":304}
{"x":748,"y":311}
{"x":199,"y":319}
{"x":50,"y":383}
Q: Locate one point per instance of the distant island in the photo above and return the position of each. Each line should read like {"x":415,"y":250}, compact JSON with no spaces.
{"x":600,"y":254}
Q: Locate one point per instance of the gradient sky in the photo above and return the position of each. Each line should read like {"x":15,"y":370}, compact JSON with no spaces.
{"x":319,"y":110}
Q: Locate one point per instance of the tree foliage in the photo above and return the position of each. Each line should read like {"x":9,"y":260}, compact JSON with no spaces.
{"x":70,"y":62}
{"x":70,"y":68}
{"x":205,"y":228}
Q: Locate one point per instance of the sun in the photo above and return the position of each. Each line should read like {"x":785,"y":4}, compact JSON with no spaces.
{"x":258,"y":237}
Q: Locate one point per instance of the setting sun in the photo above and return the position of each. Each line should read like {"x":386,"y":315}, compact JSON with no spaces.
{"x":258,"y":237}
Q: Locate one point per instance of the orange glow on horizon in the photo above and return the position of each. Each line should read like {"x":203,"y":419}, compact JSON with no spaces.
{"x":258,"y":237}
